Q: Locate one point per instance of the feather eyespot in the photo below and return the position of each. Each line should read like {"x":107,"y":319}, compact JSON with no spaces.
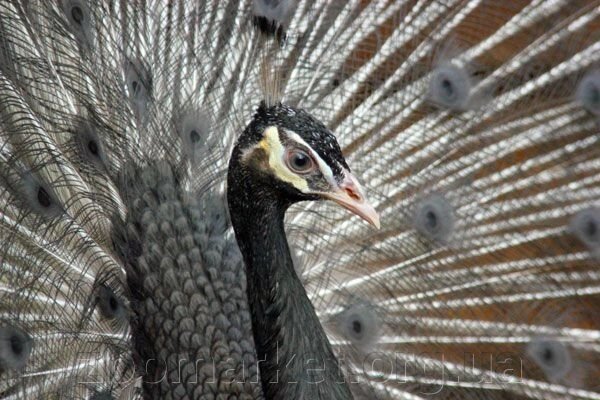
{"x":585,"y":225}
{"x":360,"y":324}
{"x":450,"y":87}
{"x":80,"y":21}
{"x":588,"y":92}
{"x":138,"y":80}
{"x":551,"y":356}
{"x":194,"y":128}
{"x":299,"y":161}
{"x":90,"y":146}
{"x":77,"y":14}
{"x":39,"y":197}
{"x":15,"y":348}
{"x":434,"y":218}
{"x":110,"y":306}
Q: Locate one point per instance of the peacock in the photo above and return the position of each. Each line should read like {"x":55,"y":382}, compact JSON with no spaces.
{"x":310,"y":199}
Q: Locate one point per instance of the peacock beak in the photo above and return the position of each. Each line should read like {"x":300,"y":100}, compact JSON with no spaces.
{"x":350,"y":195}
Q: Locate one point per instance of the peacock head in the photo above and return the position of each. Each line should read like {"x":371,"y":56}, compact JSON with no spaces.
{"x":288,"y":153}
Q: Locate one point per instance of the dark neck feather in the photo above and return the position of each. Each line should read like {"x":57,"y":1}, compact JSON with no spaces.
{"x":295,"y":357}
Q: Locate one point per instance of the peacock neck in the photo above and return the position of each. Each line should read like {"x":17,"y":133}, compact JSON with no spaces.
{"x":294,"y":355}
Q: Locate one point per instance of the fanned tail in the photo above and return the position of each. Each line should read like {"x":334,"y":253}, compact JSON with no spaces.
{"x":475,"y":124}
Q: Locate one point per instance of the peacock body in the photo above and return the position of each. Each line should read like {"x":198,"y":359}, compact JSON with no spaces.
{"x":473,"y":126}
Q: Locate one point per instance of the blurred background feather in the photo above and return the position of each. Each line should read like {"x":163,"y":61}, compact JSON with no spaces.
{"x":473,"y":124}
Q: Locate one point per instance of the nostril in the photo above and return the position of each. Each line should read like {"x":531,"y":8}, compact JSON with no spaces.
{"x":354,"y":195}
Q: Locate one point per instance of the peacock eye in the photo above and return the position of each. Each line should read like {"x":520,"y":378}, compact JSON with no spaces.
{"x":299,"y":162}
{"x":77,"y":14}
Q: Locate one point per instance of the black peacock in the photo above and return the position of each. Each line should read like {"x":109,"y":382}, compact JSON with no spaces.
{"x":161,"y":164}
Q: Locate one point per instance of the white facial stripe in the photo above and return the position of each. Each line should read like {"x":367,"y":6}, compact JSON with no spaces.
{"x":325,"y":169}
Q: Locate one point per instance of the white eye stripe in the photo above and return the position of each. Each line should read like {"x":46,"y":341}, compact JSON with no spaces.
{"x":323,"y":167}
{"x":271,"y":143}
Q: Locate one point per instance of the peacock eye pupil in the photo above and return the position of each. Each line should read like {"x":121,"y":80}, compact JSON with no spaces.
{"x":356,"y":326}
{"x":77,"y":14}
{"x":16,"y":345}
{"x":114,"y":304}
{"x":93,"y":147}
{"x":431,"y":218}
{"x":43,"y":197}
{"x":548,"y":355}
{"x":300,"y":160}
{"x":194,"y":136}
{"x":448,"y":88}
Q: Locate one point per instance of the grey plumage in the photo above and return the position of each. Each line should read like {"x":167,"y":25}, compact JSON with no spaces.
{"x":115,"y":241}
{"x":191,"y":320}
